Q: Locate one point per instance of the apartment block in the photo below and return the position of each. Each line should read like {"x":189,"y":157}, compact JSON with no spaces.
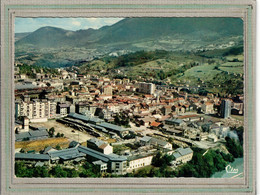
{"x":36,"y":110}
{"x":147,"y":88}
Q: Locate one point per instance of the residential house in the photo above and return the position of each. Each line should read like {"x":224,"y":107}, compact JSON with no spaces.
{"x":207,"y":108}
{"x":147,"y":140}
{"x":183,"y":155}
{"x":99,"y":145}
{"x":166,"y":110}
{"x":139,"y":161}
{"x":174,"y":121}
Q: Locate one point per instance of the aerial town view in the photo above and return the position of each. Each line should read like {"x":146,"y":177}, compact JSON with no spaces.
{"x":129,"y":97}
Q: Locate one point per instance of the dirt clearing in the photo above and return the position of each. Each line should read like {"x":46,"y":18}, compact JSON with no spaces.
{"x":67,"y":131}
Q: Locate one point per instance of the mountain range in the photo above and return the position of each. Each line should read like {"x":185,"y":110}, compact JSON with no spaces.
{"x":140,"y":34}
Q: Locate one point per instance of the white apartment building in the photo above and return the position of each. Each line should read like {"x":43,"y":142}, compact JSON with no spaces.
{"x":37,"y":110}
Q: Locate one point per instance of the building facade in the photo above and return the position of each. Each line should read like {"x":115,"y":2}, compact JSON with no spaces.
{"x":183,"y":155}
{"x":147,"y":88}
{"x":225,"y":109}
{"x":100,"y":146}
{"x":107,"y":90}
{"x":136,"y":162}
{"x":36,"y":110}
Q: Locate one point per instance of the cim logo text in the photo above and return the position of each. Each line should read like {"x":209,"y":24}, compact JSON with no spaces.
{"x":230,"y":169}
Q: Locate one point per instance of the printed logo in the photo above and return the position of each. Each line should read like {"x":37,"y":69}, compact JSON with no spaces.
{"x":230,"y":169}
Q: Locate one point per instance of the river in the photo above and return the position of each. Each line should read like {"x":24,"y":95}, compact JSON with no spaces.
{"x":234,"y":169}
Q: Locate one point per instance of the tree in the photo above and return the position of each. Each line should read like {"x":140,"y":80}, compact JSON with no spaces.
{"x":58,"y":147}
{"x":21,"y":170}
{"x":155,"y":172}
{"x":156,"y":159}
{"x":71,"y":172}
{"x":57,"y":171}
{"x":234,"y":147}
{"x":122,"y":119}
{"x":160,"y":160}
{"x":89,"y":171}
{"x":240,"y":133}
{"x":40,"y":172}
{"x":117,"y":119}
{"x":51,"y":132}
{"x":170,"y":140}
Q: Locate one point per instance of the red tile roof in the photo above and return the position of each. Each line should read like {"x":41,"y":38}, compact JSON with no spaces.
{"x":155,"y":124}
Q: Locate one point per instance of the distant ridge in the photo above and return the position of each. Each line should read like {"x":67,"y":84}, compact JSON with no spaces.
{"x":131,"y":31}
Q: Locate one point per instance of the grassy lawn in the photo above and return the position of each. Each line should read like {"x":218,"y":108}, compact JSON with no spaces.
{"x":232,"y":57}
{"x":237,"y":70}
{"x":233,"y":64}
{"x":38,"y":145}
{"x":204,"y":72}
{"x":146,"y":169}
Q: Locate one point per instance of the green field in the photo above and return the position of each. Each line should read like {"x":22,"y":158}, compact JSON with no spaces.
{"x":233,"y":64}
{"x":232,"y":57}
{"x":236,"y":70}
{"x":204,"y":72}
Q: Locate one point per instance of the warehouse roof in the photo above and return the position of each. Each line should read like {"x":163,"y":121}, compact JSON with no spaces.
{"x":184,"y":151}
{"x":93,"y":153}
{"x":99,"y":162}
{"x":96,"y":141}
{"x":21,"y":136}
{"x":66,"y":154}
{"x":99,"y":122}
{"x":112,"y":127}
{"x":146,"y":138}
{"x":39,"y":133}
{"x":79,"y":116}
{"x":30,"y":156}
{"x":101,"y":156}
{"x":85,"y":118}
{"x":25,"y":86}
{"x":173,"y":120}
{"x":176,"y":154}
{"x":158,"y":141}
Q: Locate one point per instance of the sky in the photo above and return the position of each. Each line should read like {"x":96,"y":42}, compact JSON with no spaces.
{"x":32,"y":24}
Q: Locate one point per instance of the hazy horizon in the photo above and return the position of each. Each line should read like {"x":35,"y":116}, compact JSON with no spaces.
{"x":25,"y":25}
